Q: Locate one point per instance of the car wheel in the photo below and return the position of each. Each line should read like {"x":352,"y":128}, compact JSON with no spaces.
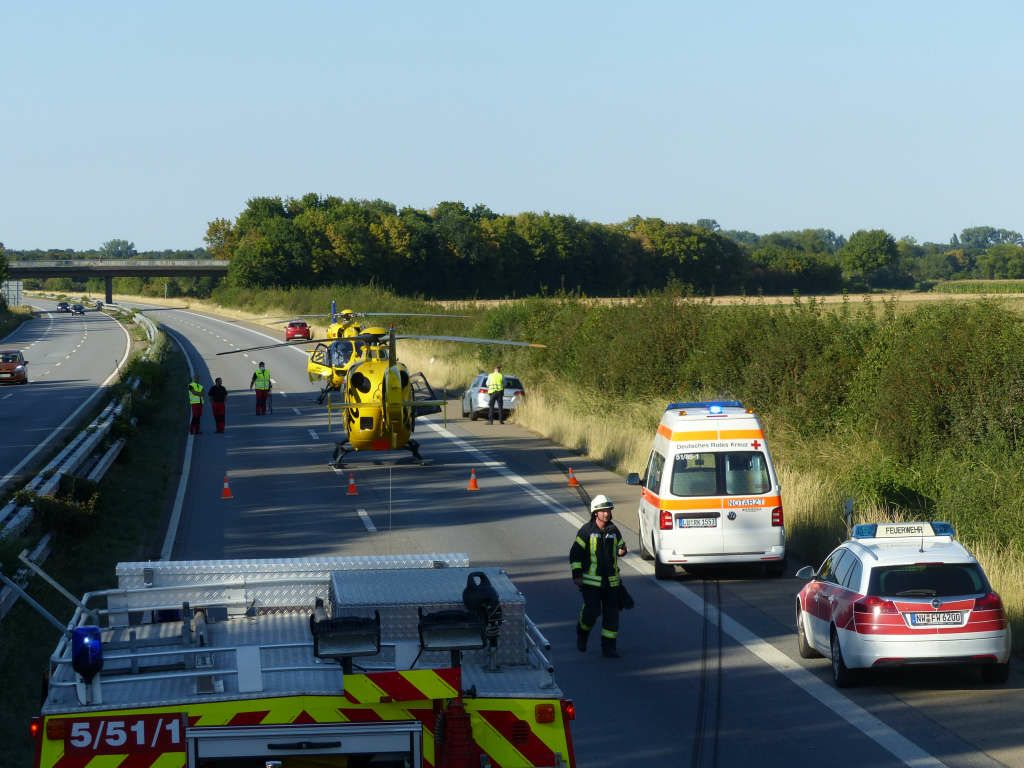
{"x":995,"y":673}
{"x":663,"y":572}
{"x":805,"y":649}
{"x":474,"y":416}
{"x":842,"y":676}
{"x":465,"y":413}
{"x":644,"y":554}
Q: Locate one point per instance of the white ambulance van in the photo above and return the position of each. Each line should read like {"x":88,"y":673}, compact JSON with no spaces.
{"x":710,"y":495}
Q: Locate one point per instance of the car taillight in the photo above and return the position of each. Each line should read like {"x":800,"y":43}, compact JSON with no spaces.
{"x":483,"y":390}
{"x":666,"y":520}
{"x":777,"y":517}
{"x":519,"y":393}
{"x":990,"y":602}
{"x":875,"y":606}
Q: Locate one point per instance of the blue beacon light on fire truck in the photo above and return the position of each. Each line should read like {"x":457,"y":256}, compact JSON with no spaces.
{"x":86,"y":651}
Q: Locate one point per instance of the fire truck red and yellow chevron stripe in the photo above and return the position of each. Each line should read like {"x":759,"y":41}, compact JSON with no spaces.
{"x":505,"y":729}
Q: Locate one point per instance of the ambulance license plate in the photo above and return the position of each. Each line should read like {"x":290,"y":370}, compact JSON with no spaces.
{"x":936,"y":619}
{"x":5,"y":375}
{"x":698,"y":522}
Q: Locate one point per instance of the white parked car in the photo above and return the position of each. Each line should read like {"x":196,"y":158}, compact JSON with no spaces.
{"x":476,"y":401}
{"x":896,"y":594}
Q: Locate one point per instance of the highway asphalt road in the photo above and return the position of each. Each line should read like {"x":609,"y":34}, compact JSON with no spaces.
{"x":694,"y":687}
{"x":70,"y":358}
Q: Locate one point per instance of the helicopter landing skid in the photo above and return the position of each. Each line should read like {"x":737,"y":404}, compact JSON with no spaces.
{"x":341,"y":451}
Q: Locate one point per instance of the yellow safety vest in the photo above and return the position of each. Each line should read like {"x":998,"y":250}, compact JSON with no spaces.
{"x":262,"y":379}
{"x":195,"y":393}
{"x":495,"y":383}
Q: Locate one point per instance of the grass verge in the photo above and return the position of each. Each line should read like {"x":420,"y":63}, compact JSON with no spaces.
{"x":134,"y":495}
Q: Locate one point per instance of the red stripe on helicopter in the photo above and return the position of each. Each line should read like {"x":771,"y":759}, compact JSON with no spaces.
{"x":518,"y":733}
{"x":303,"y":718}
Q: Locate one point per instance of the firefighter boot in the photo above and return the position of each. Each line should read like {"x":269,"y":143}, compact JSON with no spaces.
{"x":581,"y":638}
{"x":608,"y":648}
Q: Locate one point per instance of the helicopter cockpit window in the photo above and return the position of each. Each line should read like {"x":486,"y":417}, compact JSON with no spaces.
{"x":341,"y":353}
{"x":318,"y":354}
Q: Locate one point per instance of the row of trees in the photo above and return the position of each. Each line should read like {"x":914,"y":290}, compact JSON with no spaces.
{"x":454,"y":251}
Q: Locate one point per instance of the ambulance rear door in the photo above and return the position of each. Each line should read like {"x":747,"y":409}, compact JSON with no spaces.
{"x":748,"y":504}
{"x":692,"y":494}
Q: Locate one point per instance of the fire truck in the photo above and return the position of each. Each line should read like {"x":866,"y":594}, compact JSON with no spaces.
{"x":347,"y":662}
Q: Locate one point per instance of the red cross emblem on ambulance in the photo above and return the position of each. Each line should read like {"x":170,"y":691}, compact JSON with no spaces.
{"x":755,"y":445}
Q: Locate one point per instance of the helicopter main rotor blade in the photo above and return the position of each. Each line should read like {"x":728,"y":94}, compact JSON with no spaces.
{"x":471,"y":340}
{"x":295,"y":343}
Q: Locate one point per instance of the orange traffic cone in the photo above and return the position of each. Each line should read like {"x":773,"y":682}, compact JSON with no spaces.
{"x":226,"y":491}
{"x":573,"y":482}
{"x":352,"y":485}
{"x":472,"y":481}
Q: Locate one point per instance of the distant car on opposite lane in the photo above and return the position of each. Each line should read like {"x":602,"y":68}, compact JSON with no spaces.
{"x":897,"y":594}
{"x":13,"y":367}
{"x":63,"y":306}
{"x":297,"y":329}
{"x":476,"y":401}
{"x":77,"y":309}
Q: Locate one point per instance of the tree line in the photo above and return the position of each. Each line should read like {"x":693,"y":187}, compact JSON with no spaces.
{"x":456,"y":251}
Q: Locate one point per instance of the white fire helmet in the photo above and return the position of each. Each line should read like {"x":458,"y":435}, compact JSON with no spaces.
{"x":600,"y":502}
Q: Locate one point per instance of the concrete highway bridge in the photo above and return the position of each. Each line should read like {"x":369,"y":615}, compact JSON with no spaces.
{"x":108,"y":269}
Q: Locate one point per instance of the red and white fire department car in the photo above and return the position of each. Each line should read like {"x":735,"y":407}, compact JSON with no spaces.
{"x":902,"y":593}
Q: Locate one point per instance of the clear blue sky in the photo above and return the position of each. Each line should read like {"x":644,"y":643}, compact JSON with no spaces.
{"x":145,"y":120}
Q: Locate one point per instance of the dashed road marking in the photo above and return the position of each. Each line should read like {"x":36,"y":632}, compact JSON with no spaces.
{"x":365,"y":517}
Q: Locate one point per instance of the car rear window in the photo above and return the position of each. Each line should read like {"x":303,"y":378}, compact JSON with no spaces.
{"x":296,"y":325}
{"x":927,"y":580}
{"x":736,"y":473}
{"x":511,"y":382}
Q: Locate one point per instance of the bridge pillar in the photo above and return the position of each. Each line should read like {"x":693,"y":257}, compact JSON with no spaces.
{"x":109,"y":280}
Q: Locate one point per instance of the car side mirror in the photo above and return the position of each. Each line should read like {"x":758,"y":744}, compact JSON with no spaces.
{"x":633,"y":478}
{"x":807,"y":573}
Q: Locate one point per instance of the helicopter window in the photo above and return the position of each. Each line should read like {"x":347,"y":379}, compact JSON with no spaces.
{"x":695,"y":474}
{"x":341,"y":353}
{"x":655,"y":468}
{"x":318,"y":354}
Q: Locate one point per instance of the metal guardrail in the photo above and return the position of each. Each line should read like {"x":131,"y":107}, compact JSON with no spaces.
{"x":14,"y":517}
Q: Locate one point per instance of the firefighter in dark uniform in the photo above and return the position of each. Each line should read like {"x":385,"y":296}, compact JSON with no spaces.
{"x":594,"y":559}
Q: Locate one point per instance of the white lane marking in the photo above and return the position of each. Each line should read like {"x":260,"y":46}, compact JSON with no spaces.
{"x":313,"y":434}
{"x":6,"y":396}
{"x":186,"y":465}
{"x":297,"y":411}
{"x":365,"y":517}
{"x":895,"y":743}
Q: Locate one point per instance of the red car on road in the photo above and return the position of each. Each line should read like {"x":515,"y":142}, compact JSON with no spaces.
{"x":13,"y":367}
{"x":296,"y":329}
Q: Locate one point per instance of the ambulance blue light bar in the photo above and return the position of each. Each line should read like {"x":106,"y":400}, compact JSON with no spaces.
{"x":901,"y":530}
{"x":714,"y":406}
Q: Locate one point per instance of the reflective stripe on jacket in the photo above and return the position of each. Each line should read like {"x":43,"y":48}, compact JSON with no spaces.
{"x":195,"y":393}
{"x":595,"y":554}
{"x":495,"y":383}
{"x":262,"y":379}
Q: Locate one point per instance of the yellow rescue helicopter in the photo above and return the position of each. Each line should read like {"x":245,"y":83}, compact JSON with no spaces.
{"x":382,"y":399}
{"x":346,"y":342}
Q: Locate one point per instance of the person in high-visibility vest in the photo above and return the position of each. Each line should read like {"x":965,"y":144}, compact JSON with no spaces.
{"x":594,"y":560}
{"x":496,"y":395}
{"x":195,"y":401}
{"x":261,"y":381}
